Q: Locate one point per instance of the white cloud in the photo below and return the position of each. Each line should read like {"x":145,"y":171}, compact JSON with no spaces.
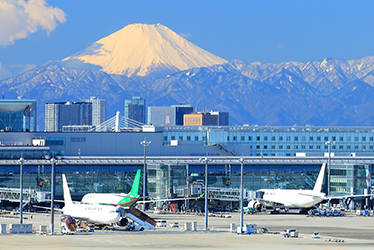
{"x":20,"y":18}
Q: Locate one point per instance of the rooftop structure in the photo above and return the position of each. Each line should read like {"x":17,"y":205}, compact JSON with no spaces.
{"x":18,"y":114}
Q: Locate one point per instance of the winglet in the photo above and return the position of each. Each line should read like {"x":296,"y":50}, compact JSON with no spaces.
{"x":319,"y":182}
{"x":135,"y":186}
{"x":67,"y":196}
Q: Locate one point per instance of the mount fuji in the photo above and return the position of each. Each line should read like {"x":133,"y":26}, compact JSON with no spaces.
{"x":153,"y":62}
{"x":142,"y":50}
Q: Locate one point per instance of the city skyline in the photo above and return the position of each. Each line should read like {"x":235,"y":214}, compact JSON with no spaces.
{"x":267,"y":32}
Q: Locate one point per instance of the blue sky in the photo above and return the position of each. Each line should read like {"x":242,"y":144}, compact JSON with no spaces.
{"x":262,"y":31}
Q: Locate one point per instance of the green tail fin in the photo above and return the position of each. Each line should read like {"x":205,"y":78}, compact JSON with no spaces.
{"x":135,"y":186}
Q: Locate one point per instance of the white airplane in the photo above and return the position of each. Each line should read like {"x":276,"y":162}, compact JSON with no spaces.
{"x":290,"y":198}
{"x":93,"y":213}
{"x":123,"y":200}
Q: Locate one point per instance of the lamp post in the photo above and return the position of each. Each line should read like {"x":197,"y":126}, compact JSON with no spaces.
{"x":53,"y":177}
{"x":241,"y":160}
{"x":145,"y":143}
{"x":21,"y":160}
{"x":329,"y":143}
{"x":205,"y":161}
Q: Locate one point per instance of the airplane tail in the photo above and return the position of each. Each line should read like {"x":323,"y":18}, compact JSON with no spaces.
{"x":319,"y":182}
{"x":135,"y":186}
{"x":67,"y":196}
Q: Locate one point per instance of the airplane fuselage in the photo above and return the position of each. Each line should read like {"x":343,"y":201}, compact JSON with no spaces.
{"x":124,"y":200}
{"x":291,"y":198}
{"x":99,"y":214}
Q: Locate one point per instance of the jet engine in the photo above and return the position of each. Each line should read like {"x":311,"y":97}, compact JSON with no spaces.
{"x":254,"y":204}
{"x":122,"y":222}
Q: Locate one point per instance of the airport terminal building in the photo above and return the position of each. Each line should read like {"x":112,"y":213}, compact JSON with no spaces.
{"x":274,"y":157}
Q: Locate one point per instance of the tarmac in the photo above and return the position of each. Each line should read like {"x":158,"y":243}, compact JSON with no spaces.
{"x":357,"y":233}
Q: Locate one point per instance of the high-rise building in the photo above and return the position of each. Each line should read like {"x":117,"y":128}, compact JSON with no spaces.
{"x":18,"y":114}
{"x":168,"y":116}
{"x":135,"y":109}
{"x":98,"y":110}
{"x":211,"y":118}
{"x":61,"y":114}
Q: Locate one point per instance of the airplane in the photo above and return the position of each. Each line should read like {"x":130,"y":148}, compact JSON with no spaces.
{"x":123,"y":200}
{"x":290,"y":198}
{"x":93,"y":213}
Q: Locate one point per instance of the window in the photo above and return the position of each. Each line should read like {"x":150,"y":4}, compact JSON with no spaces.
{"x":318,"y":138}
{"x":181,"y":138}
{"x":272,"y":146}
{"x":326,"y":138}
{"x":196,"y":138}
{"x":371,"y":147}
{"x":228,"y":138}
{"x":348,"y":146}
{"x":234,"y":138}
{"x":356,"y":138}
{"x":326,"y":147}
{"x":371,"y":138}
{"x":303,"y":147}
{"x":318,"y":146}
{"x":265,"y":138}
{"x":356,"y":146}
{"x":310,"y":146}
{"x":265,"y":147}
{"x":173,"y":137}
{"x":258,"y":138}
{"x":348,"y":138}
{"x":280,"y":138}
{"x":333,"y":147}
{"x":334,"y":138}
{"x":288,"y":147}
{"x":165,"y":138}
{"x":303,"y":138}
{"x":188,"y":138}
{"x":363,"y":138}
{"x":296,"y":147}
{"x":273,"y":138}
{"x":341,"y":147}
{"x":242,"y":138}
{"x":258,"y":147}
{"x":288,"y":138}
{"x":249,"y":138}
{"x":310,"y":138}
{"x":296,"y":138}
{"x":280,"y":146}
{"x":363,"y":147}
{"x":341,"y":138}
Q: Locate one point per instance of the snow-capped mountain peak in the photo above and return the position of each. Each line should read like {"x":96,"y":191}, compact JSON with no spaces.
{"x":141,"y":49}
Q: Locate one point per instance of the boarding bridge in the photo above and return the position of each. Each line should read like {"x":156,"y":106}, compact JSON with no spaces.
{"x":139,"y":217}
{"x":224,"y":194}
{"x":29,"y":195}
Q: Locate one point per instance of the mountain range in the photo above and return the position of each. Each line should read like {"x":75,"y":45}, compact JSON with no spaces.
{"x":166,"y":69}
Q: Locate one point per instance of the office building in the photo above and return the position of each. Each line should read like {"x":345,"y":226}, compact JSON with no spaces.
{"x":206,"y":119}
{"x":168,"y":116}
{"x":135,"y":110}
{"x":18,"y":114}
{"x":61,"y":114}
{"x":98,"y":110}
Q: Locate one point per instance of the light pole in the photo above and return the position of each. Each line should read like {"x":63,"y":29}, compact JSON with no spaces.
{"x":329,"y":143}
{"x":145,"y":143}
{"x":241,"y":160}
{"x":53,"y":177}
{"x":205,"y":161}
{"x":21,"y":160}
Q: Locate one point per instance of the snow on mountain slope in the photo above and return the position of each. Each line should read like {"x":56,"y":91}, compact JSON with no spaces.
{"x":141,"y":49}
